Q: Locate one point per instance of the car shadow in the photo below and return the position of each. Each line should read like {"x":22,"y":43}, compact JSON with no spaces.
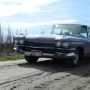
{"x":56,"y":66}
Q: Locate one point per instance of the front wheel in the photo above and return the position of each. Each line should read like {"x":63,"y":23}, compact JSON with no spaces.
{"x":31,"y":59}
{"x":74,"y":61}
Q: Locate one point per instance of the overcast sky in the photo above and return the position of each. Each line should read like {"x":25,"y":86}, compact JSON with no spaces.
{"x":33,"y":13}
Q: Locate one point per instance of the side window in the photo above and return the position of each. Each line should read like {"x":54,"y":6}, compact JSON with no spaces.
{"x":89,"y":32}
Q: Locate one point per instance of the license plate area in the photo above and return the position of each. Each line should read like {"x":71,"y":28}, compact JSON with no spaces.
{"x":27,"y":53}
{"x":36,"y":53}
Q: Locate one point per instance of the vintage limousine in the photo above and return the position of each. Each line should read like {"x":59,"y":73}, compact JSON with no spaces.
{"x":67,"y":42}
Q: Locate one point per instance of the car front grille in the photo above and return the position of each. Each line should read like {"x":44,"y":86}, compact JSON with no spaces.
{"x":44,"y":50}
{"x":40,"y":44}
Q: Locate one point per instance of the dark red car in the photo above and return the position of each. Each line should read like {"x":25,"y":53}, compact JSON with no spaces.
{"x":67,"y":42}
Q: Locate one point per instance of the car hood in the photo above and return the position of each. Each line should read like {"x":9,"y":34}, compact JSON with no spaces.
{"x":50,"y":38}
{"x":42,"y":38}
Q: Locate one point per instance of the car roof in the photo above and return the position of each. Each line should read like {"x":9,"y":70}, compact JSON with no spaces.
{"x":74,"y":25}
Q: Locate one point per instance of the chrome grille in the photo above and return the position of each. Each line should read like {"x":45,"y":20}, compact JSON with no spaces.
{"x":40,"y":44}
{"x":44,"y":50}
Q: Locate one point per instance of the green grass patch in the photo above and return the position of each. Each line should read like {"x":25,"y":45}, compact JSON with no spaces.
{"x":13,"y":57}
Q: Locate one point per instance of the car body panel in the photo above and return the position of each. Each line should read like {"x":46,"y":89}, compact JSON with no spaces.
{"x":46,"y":44}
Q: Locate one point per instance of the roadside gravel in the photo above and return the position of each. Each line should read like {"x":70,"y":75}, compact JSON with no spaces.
{"x":46,"y":74}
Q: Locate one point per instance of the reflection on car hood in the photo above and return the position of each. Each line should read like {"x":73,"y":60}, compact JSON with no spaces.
{"x":45,"y":38}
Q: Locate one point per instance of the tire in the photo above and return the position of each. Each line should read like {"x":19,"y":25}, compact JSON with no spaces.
{"x":31,"y":59}
{"x":74,"y":61}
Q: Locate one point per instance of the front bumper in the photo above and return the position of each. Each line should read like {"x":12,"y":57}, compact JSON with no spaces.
{"x":64,"y":54}
{"x":56,"y":55}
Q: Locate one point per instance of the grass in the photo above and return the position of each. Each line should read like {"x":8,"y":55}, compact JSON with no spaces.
{"x":13,"y":57}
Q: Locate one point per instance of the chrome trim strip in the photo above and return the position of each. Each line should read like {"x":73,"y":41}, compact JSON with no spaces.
{"x":43,"y":54}
{"x":48,"y":55}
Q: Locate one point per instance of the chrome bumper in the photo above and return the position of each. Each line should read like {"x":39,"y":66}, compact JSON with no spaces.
{"x":49,"y":55}
{"x":56,"y":55}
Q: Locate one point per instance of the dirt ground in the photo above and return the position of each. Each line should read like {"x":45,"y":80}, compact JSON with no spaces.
{"x":46,"y":74}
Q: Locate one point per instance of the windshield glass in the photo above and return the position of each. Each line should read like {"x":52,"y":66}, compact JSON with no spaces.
{"x":76,"y":30}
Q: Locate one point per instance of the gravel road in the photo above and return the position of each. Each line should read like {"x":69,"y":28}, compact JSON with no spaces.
{"x":46,"y":74}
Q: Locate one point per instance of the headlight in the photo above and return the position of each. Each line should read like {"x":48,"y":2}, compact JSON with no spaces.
{"x":21,"y":41}
{"x":62,"y":44}
{"x":65,"y":44}
{"x":18,"y":41}
{"x":58,"y":43}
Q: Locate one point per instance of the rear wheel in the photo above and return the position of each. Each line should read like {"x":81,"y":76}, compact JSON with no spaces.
{"x":74,"y":61}
{"x":31,"y":59}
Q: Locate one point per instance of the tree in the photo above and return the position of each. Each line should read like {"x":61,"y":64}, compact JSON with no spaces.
{"x":1,"y":39}
{"x":9,"y":39}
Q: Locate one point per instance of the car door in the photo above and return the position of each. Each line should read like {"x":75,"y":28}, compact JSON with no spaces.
{"x":88,"y":42}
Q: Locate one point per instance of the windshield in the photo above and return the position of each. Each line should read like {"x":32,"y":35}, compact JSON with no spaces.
{"x":76,"y":30}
